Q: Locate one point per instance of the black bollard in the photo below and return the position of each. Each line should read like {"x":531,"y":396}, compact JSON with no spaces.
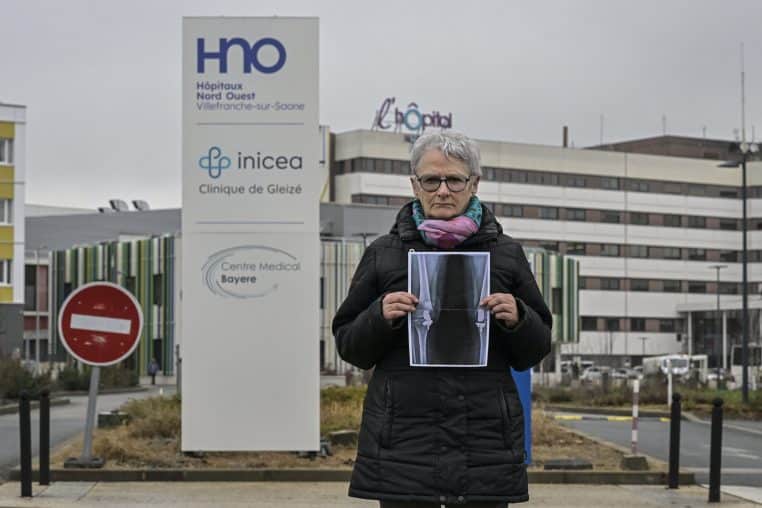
{"x":674,"y":442}
{"x":715,"y":453}
{"x":45,"y":437}
{"x":25,"y":431}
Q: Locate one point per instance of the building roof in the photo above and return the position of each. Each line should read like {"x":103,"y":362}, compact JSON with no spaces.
{"x":63,"y":231}
{"x":675,"y":146}
{"x":31,"y":210}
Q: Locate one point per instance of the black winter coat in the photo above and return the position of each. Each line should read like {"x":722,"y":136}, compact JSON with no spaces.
{"x":443,"y":435}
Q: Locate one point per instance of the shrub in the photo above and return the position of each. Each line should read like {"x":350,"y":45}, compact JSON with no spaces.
{"x":118,"y":377}
{"x":70,"y":378}
{"x":552,"y":395}
{"x":14,"y":379}
{"x":155,"y":417}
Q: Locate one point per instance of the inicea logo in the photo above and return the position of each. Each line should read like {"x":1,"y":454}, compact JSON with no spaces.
{"x":251,"y":54}
{"x":214,"y":162}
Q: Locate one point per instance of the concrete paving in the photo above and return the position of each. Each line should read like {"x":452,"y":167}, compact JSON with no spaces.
{"x":329,"y":494}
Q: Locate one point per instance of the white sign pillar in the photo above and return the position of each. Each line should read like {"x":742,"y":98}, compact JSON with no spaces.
{"x":250,"y":228}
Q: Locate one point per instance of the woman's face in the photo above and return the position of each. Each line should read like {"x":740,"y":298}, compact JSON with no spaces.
{"x":443,"y":203}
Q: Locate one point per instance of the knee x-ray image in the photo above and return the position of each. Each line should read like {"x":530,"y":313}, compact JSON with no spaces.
{"x":448,"y":328}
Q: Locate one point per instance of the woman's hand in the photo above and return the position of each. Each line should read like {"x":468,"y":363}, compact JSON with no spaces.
{"x":399,"y":304}
{"x":503,"y":306}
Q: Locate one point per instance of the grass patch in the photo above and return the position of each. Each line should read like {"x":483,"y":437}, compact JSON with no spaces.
{"x":151,"y":439}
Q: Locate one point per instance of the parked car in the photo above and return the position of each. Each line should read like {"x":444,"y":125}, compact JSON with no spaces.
{"x":594,"y":373}
{"x":724,"y":375}
{"x":625,"y":373}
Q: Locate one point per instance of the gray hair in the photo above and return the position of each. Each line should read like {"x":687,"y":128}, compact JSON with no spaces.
{"x":453,"y":145}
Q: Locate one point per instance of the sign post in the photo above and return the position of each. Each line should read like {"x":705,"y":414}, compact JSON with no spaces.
{"x":250,"y":234}
{"x":99,"y":325}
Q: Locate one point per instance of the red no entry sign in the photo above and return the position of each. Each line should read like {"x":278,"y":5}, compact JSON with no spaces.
{"x":100,"y":323}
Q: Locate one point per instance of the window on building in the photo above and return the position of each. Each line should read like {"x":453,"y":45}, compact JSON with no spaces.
{"x":551,"y":246}
{"x":609,"y":249}
{"x":696,"y":222}
{"x":612,"y":324}
{"x":609,"y":283}
{"x":665,"y":252}
{"x":667,"y":325}
{"x":516,"y":176}
{"x":730,"y":224}
{"x":673,"y":221}
{"x":696,"y":287}
{"x":637,"y":186}
{"x":673,"y":188}
{"x":158,"y":287}
{"x":611,"y":217}
{"x":697,"y":254}
{"x":589,"y":323}
{"x":637,"y":324}
{"x":6,"y":151}
{"x":513,"y":211}
{"x":609,"y":182}
{"x":30,"y":287}
{"x":582,"y":282}
{"x":557,"y":302}
{"x":548,"y":212}
{"x":639,"y":285}
{"x":697,"y":190}
{"x":130,"y":284}
{"x":638,"y":218}
{"x":576,"y":214}
{"x":5,"y":271}
{"x":575,"y":181}
{"x":729,"y":193}
{"x":672,"y":286}
{"x":575,"y":248}
{"x":6,"y":211}
{"x":637,"y":251}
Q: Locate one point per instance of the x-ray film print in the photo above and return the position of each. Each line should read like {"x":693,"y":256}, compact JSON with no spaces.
{"x":448,"y":328}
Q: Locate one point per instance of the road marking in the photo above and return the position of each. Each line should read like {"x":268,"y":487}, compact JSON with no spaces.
{"x":100,"y":324}
{"x":598,"y":418}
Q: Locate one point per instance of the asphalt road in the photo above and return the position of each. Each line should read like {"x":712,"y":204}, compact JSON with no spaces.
{"x":65,"y":421}
{"x":741,"y":451}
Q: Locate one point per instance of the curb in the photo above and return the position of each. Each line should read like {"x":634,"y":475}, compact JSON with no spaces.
{"x":609,"y":411}
{"x":602,"y":418}
{"x":328,"y":475}
{"x":106,"y":391}
{"x":10,"y":409}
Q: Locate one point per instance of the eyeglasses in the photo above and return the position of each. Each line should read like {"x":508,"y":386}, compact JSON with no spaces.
{"x":431,"y":183}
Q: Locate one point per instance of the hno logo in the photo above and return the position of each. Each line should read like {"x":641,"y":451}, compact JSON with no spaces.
{"x":250,"y":54}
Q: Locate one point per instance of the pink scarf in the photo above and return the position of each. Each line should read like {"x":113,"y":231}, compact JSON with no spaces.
{"x":447,"y":234}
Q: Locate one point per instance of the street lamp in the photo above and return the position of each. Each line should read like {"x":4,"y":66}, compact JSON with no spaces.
{"x":746,"y":150}
{"x":718,"y":328}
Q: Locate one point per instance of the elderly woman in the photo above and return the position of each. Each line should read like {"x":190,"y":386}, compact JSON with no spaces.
{"x":441,"y":435}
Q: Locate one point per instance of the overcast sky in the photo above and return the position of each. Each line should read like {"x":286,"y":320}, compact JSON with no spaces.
{"x":101,"y":79}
